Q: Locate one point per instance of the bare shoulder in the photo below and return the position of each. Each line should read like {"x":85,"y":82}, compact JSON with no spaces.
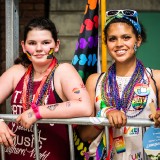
{"x":93,"y":77}
{"x":156,"y":75}
{"x":66,"y":69}
{"x":92,"y":80}
{"x":15,"y":70}
{"x":11,"y":77}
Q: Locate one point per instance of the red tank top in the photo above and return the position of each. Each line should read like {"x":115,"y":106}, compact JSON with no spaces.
{"x":53,"y":138}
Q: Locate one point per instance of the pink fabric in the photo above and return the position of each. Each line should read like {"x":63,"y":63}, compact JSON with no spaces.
{"x":53,"y":138}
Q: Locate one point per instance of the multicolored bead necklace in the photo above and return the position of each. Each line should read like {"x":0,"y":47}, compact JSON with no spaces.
{"x":27,"y":94}
{"x":110,"y":91}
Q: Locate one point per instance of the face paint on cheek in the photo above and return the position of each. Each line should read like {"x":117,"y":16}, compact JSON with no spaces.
{"x":28,"y":54}
{"x":50,"y":53}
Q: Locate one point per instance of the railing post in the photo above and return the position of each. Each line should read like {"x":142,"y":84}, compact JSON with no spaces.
{"x":36,"y":141}
{"x":2,"y":152}
{"x":107,"y":137}
{"x":12,"y":35}
{"x":80,"y":121}
{"x":71,"y":143}
{"x":144,"y":154}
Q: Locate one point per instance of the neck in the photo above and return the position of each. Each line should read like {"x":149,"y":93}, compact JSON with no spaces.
{"x":40,"y":71}
{"x":125,"y":69}
{"x":41,"y":68}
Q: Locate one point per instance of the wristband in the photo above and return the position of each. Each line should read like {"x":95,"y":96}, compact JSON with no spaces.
{"x":36,"y":110}
{"x":110,"y":109}
{"x":103,"y":112}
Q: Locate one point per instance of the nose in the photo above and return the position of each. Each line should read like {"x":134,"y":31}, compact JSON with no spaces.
{"x":119,"y":42}
{"x":38,"y":47}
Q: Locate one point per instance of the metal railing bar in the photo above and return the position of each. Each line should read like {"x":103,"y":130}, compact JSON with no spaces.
{"x":2,"y":152}
{"x":107,"y":138}
{"x":71,"y":143}
{"x":84,"y":121}
{"x":36,"y":141}
{"x":145,"y":157}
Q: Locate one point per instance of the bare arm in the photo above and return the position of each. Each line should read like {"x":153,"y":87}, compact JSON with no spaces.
{"x":8,"y":81}
{"x":89,"y":133}
{"x":71,"y":89}
{"x":156,"y":75}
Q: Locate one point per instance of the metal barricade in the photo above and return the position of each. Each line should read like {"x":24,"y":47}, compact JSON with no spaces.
{"x":81,"y":121}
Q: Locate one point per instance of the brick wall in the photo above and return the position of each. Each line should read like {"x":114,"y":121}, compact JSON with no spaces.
{"x":27,"y":10}
{"x":2,"y":34}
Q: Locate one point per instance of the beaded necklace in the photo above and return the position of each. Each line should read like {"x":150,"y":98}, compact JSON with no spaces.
{"x":27,"y":94}
{"x":110,"y":91}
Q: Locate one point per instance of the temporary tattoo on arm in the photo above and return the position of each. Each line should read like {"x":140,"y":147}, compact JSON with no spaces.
{"x":83,"y":86}
{"x":68,"y":104}
{"x":52,"y":107}
{"x":76,"y":90}
{"x":29,"y":114}
{"x":80,"y":99}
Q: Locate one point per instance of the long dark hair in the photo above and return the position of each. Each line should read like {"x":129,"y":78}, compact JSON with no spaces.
{"x":40,"y":23}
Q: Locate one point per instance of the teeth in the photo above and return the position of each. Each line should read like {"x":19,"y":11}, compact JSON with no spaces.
{"x":121,"y":51}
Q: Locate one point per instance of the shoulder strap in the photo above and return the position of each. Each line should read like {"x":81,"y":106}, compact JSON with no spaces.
{"x":151,"y":74}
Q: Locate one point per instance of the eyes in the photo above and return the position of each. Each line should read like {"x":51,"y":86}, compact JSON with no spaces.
{"x":123,"y":37}
{"x":35,"y":43}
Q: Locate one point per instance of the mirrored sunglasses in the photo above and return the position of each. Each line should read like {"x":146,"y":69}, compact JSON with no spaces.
{"x":126,"y":12}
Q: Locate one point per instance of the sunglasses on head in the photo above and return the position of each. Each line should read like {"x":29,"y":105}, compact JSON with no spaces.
{"x":126,"y":12}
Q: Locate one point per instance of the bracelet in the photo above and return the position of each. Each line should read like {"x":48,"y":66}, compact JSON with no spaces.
{"x":99,"y":129}
{"x":106,"y":110}
{"x":36,"y":110}
{"x":1,"y":120}
{"x":103,"y":112}
{"x":110,"y":109}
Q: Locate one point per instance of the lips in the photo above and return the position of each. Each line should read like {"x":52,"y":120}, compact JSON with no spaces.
{"x":39,"y":55}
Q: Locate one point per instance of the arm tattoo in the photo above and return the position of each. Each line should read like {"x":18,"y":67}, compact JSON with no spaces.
{"x":29,"y":114}
{"x":76,"y":90}
{"x":52,"y":107}
{"x":80,"y":99}
{"x":83,"y":86}
{"x":68,"y":104}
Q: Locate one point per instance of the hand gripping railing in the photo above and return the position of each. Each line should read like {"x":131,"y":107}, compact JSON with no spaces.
{"x":81,"y":121}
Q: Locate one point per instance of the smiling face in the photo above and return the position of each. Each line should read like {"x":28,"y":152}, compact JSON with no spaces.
{"x":121,"y":41}
{"x":38,"y":44}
